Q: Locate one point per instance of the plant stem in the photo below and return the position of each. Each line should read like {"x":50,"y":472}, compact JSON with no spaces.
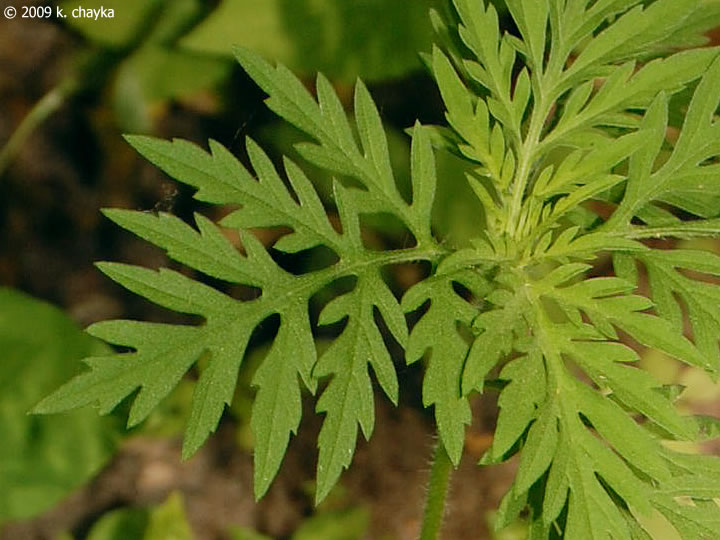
{"x":436,"y":493}
{"x":526,"y":157}
{"x":47,"y":105}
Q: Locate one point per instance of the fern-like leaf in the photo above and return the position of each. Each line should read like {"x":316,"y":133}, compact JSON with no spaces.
{"x":163,"y":353}
{"x":569,"y":124}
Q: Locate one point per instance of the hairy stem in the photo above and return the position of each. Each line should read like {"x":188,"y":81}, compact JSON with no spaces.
{"x":436,"y":493}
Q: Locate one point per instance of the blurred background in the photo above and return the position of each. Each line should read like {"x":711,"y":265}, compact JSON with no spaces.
{"x":69,"y":88}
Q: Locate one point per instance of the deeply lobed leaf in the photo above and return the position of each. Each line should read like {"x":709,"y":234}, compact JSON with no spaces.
{"x":162,"y":354}
{"x":565,"y":122}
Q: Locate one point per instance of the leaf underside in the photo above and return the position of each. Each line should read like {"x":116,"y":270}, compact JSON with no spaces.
{"x":568,"y":126}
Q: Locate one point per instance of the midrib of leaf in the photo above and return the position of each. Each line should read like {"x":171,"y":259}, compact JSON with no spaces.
{"x":252,"y":312}
{"x":526,"y":158}
{"x":547,"y":87}
{"x":545,"y":92}
{"x":681,"y":229}
{"x":561,"y":396}
{"x":172,"y":243}
{"x":235,"y":179}
{"x":306,"y":285}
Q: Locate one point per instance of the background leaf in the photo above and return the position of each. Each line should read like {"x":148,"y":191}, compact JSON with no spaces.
{"x":341,"y":38}
{"x":43,"y":459}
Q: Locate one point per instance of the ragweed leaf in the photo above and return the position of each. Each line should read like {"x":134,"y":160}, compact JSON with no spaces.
{"x":347,"y":400}
{"x":162,"y":353}
{"x":518,"y":401}
{"x":439,"y":332}
{"x":567,"y":117}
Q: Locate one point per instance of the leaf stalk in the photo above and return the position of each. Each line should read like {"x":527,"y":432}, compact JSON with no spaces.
{"x":436,"y":493}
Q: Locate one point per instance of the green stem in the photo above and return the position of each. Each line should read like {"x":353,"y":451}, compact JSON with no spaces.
{"x":47,"y":105}
{"x":436,"y":493}
{"x":527,"y":153}
{"x":692,"y":229}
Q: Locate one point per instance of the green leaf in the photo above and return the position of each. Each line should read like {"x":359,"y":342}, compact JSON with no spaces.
{"x":701,"y":520}
{"x":339,"y":38}
{"x":700,"y":298}
{"x":336,"y":148}
{"x":557,"y":438}
{"x":589,"y":244}
{"x":372,"y":138}
{"x":347,"y":400}
{"x":207,"y":249}
{"x":277,"y":408}
{"x":480,"y":33}
{"x":626,"y":87}
{"x":438,"y":332}
{"x":539,"y":448}
{"x":531,"y":18}
{"x":689,"y":171}
{"x":169,"y":521}
{"x":162,"y":354}
{"x":129,"y":18}
{"x":518,"y":401}
{"x":498,"y":330}
{"x":607,"y":364}
{"x":351,"y":524}
{"x":563,"y":117}
{"x":626,"y":312}
{"x":622,"y":432}
{"x":580,"y":455}
{"x":120,"y":524}
{"x":423,"y":175}
{"x":44,"y":459}
{"x":675,"y":229}
{"x":457,"y":98}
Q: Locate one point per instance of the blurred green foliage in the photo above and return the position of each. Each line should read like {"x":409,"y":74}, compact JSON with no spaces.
{"x":151,"y":68}
{"x":347,"y":524}
{"x":130,"y":19}
{"x":44,"y":458}
{"x":120,"y":524}
{"x":167,"y":521}
{"x":350,"y":524}
{"x":175,"y":49}
{"x":344,"y":39}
